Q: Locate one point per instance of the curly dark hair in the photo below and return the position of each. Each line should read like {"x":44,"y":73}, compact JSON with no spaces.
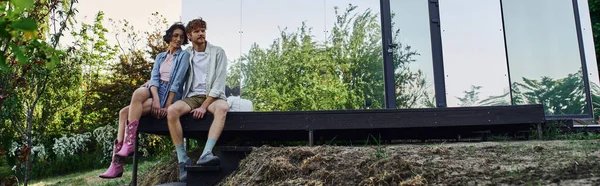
{"x":169,"y":33}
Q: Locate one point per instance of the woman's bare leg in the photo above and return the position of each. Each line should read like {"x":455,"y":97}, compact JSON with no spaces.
{"x":140,"y":96}
{"x":122,"y":123}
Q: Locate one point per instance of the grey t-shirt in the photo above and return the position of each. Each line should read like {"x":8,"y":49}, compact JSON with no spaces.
{"x":199,"y":62}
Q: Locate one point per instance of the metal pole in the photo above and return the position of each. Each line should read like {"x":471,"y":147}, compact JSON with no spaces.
{"x":135,"y":160}
{"x":388,"y":53}
{"x":437,"y":54}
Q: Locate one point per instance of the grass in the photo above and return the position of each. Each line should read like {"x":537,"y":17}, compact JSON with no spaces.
{"x":380,"y":151}
{"x":551,"y":131}
{"x":91,"y":177}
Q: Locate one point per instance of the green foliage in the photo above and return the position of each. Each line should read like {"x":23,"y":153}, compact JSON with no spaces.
{"x":94,"y":53}
{"x":25,"y":24}
{"x":552,"y":131}
{"x":109,"y":95}
{"x":558,"y":96}
{"x":21,"y":5}
{"x":595,"y":18}
{"x":343,"y":72}
{"x":380,"y":150}
{"x":47,"y":90}
{"x":471,"y":98}
{"x":19,"y":38}
{"x":83,"y":161}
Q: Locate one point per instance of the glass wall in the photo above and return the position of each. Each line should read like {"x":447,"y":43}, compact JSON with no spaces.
{"x":590,"y":55}
{"x":281,"y":55}
{"x":474,"y":54}
{"x":544,"y":56}
{"x":412,"y":57}
{"x":287,"y":55}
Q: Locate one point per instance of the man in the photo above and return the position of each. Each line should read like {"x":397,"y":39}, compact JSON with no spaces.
{"x":236,"y":103}
{"x":203,"y":90}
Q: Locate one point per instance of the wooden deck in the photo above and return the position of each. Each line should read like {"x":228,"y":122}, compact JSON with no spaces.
{"x":387,"y":124}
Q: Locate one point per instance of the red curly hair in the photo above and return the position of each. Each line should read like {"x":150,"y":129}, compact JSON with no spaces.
{"x":195,"y":24}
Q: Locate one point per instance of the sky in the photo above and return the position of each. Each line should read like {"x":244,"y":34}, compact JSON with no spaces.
{"x":473,"y":41}
{"x":137,"y":12}
{"x":261,"y":20}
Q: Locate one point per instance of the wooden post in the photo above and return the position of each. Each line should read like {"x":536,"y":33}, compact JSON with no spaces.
{"x":186,"y":141}
{"x":539,"y":130}
{"x":311,"y":141}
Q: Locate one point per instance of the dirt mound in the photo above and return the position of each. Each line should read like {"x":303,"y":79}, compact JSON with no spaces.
{"x":166,"y":170}
{"x":488,"y":163}
{"x":323,"y":166}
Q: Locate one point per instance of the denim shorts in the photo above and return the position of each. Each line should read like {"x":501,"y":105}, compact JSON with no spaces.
{"x":163,"y":93}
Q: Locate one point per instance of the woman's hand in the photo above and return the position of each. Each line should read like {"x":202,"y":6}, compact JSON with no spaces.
{"x":156,"y":108}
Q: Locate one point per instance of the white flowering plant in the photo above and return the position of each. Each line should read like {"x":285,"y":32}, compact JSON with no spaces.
{"x":37,"y":151}
{"x":67,"y":146}
{"x":105,"y":137}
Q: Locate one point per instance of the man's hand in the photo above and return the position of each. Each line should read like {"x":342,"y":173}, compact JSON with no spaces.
{"x":198,"y":112}
{"x":163,"y":113}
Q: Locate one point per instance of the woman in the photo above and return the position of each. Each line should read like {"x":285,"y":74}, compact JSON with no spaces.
{"x":165,"y":87}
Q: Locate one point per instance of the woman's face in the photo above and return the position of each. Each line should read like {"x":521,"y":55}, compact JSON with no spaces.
{"x":177,"y":38}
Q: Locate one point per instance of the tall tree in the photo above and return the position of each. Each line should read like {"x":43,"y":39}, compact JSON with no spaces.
{"x":95,"y":54}
{"x":29,"y":58}
{"x":130,"y":72}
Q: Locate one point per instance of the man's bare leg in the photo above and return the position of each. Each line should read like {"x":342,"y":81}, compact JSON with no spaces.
{"x":175,"y":111}
{"x":219,"y":109}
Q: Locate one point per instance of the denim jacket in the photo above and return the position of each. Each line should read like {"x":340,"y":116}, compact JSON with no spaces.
{"x":216,"y":69}
{"x":178,"y":72}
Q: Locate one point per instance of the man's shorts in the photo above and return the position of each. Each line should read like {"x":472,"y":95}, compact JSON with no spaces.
{"x":195,"y":101}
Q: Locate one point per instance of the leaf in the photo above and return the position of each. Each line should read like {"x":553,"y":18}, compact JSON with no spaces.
{"x":25,"y":24}
{"x":3,"y":32}
{"x":20,"y":56}
{"x":53,"y":62}
{"x":22,"y":4}
{"x":3,"y":65}
{"x":28,"y":35}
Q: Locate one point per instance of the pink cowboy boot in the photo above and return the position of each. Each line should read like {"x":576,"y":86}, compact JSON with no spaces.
{"x":128,"y":146}
{"x":116,"y":166}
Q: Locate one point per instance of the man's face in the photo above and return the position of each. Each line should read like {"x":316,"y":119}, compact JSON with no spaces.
{"x":198,"y":35}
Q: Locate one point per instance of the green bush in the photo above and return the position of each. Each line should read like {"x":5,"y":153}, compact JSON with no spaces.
{"x":70,"y":164}
{"x":5,"y":171}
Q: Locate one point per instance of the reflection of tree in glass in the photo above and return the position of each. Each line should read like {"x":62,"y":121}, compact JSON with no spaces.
{"x":411,"y":88}
{"x":234,"y":73}
{"x":344,"y":72}
{"x":595,"y":92}
{"x":471,"y":98}
{"x":560,"y":96}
